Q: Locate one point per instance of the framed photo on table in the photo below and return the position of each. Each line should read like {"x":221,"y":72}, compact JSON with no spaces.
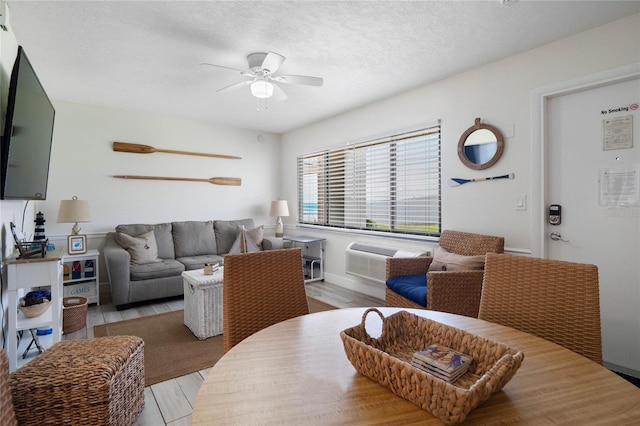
{"x":77,"y":244}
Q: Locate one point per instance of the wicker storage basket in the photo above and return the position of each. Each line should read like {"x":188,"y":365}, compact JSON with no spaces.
{"x":387,"y":360}
{"x":74,"y":313}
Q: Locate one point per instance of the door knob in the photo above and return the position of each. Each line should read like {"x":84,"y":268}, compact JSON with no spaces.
{"x":555,"y":236}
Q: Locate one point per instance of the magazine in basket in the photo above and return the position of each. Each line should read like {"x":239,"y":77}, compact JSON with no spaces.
{"x":442,"y":361}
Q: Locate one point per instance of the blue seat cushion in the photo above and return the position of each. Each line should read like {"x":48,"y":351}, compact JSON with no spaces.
{"x":413,"y":287}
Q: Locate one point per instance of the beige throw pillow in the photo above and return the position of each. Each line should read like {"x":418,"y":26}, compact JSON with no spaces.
{"x":257,"y":235}
{"x":142,"y":249}
{"x":446,"y":261}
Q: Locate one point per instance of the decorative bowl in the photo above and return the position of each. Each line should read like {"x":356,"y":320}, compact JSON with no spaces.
{"x":33,"y":311}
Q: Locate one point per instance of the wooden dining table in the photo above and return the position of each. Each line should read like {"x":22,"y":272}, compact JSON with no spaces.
{"x":296,"y":372}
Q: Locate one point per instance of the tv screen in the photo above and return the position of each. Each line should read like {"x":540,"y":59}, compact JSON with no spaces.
{"x":28,"y":132}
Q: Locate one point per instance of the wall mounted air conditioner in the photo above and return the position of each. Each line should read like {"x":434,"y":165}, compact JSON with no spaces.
{"x":369,"y":260}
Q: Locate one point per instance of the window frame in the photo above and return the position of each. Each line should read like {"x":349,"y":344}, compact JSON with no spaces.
{"x":340,"y":209}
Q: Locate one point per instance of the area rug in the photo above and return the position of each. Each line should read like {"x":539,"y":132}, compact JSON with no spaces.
{"x":317,"y":306}
{"x":170,"y":348}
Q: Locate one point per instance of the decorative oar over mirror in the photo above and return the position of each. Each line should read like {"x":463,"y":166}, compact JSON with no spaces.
{"x":480,"y":146}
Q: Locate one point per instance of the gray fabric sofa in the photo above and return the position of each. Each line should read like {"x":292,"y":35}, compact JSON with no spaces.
{"x":180,"y":246}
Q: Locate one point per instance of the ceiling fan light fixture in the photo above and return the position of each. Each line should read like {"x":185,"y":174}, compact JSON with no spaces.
{"x":262,"y":89}
{"x":262,"y":78}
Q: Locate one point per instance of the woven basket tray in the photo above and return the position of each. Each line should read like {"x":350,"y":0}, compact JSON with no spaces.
{"x":387,"y":360}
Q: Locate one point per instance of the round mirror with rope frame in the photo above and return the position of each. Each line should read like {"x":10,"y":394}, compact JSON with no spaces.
{"x":480,"y":146}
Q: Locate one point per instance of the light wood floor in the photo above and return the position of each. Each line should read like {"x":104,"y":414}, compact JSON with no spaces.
{"x":171,"y":402}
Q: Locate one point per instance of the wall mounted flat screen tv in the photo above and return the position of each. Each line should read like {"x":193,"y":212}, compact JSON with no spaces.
{"x":28,"y":133}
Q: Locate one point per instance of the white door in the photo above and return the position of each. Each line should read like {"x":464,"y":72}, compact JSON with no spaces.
{"x":578,"y":126}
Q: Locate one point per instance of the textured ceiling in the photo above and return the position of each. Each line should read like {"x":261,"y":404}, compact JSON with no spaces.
{"x":145,"y":55}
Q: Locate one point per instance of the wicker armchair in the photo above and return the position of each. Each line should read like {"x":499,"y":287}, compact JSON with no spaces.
{"x":456,"y":292}
{"x":556,"y":300}
{"x":261,"y":289}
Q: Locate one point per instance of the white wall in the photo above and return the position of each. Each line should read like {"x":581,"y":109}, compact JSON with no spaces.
{"x":498,"y":93}
{"x":83,"y":163}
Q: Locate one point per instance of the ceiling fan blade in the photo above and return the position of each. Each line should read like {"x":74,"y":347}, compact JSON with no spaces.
{"x":272,"y":62}
{"x":222,"y":66}
{"x":278,"y":93}
{"x":242,"y":72}
{"x":299,"y":79}
{"x":235,"y":86}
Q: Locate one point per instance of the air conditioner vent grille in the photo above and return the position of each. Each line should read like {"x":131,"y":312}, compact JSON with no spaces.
{"x":370,"y":261}
{"x":384,"y":251}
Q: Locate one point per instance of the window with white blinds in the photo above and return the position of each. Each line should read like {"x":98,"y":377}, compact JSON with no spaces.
{"x":387,"y":185}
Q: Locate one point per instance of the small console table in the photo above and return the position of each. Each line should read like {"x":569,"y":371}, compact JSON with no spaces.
{"x":24,"y":274}
{"x":312,"y":256}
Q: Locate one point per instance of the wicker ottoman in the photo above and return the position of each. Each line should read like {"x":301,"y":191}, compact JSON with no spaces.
{"x":203,"y":302}
{"x":82,"y":382}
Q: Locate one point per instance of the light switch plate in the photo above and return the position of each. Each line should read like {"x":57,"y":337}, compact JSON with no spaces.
{"x":521,"y":202}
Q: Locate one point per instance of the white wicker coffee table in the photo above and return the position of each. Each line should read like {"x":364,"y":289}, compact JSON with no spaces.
{"x":203,"y":302}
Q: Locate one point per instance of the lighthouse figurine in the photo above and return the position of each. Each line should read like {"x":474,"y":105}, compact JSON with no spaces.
{"x":39,"y":236}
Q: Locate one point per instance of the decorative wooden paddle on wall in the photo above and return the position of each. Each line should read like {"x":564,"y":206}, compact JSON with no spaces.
{"x":146,"y":149}
{"x":460,"y":181}
{"x":214,"y":180}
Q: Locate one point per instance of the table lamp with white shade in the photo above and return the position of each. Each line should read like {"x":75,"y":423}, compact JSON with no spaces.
{"x":279,"y":208}
{"x":74,"y":211}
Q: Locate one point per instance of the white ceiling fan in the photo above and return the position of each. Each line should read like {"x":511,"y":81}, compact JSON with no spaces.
{"x":262,"y":79}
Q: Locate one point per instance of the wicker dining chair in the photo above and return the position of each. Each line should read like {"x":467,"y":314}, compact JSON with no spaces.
{"x":456,"y":292}
{"x":259,"y":290}
{"x":556,"y":300}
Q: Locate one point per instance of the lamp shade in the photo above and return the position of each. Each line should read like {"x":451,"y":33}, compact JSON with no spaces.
{"x":279,"y":208}
{"x":74,"y":211}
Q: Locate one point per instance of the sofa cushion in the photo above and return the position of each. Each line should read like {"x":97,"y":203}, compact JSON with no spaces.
{"x":142,"y":248}
{"x":193,"y":238}
{"x":162,"y":269}
{"x":226,"y":232}
{"x":446,"y":261}
{"x":413,"y":287}
{"x":162,"y":232}
{"x":197,"y":262}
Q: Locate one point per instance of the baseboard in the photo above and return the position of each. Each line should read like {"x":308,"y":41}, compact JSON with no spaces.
{"x":623,"y":370}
